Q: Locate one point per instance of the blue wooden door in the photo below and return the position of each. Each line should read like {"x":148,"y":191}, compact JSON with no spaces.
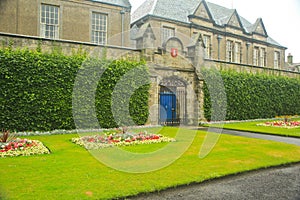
{"x":167,"y":107}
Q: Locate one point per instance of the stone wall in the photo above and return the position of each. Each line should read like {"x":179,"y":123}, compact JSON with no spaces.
{"x":251,"y":69}
{"x":163,"y":66}
{"x":66,"y":46}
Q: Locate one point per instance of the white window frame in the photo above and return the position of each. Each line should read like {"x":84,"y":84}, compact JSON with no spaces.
{"x":229,"y":51}
{"x":166,"y":33}
{"x":256,"y":56}
{"x":49,"y":21}
{"x":99,"y":27}
{"x":238,"y":52}
{"x":207,"y":43}
{"x":263,"y":57}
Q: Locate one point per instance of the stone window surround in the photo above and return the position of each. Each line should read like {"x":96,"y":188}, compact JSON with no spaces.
{"x":100,"y":14}
{"x":40,"y":24}
{"x":229,"y":50}
{"x":208,"y":46}
{"x":238,"y":52}
{"x":259,"y":56}
{"x":277,"y":57}
{"x":263,"y":57}
{"x":167,"y":32}
{"x":234,"y":51}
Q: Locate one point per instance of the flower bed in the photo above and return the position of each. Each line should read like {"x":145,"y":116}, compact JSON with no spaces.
{"x":282,"y":124}
{"x":119,"y":139}
{"x":22,"y":147}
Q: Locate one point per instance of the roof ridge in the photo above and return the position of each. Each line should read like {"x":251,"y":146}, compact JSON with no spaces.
{"x":153,"y":6}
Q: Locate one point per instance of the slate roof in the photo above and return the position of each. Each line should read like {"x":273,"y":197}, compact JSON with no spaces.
{"x":179,"y":11}
{"x":121,"y":3}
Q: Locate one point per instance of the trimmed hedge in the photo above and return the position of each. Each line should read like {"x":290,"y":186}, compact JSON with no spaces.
{"x":36,"y":90}
{"x":251,"y":96}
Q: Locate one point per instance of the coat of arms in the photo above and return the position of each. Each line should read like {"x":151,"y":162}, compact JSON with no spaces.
{"x":174,"y":52}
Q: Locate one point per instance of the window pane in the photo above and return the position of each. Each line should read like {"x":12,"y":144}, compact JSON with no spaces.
{"x":49,"y":21}
{"x":167,"y":33}
{"x":99,"y":28}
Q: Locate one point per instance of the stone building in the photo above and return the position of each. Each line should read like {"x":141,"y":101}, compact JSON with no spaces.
{"x":176,"y":38}
{"x":91,"y":21}
{"x":180,"y":37}
{"x":227,"y":36}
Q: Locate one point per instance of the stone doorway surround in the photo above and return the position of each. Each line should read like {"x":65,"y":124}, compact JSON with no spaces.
{"x":172,"y":101}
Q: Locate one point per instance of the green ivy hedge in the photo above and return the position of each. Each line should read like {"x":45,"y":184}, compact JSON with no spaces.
{"x":36,"y":90}
{"x":255,"y":96}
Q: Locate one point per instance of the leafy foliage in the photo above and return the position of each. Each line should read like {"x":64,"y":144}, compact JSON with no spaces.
{"x":37,"y":89}
{"x":255,"y":96}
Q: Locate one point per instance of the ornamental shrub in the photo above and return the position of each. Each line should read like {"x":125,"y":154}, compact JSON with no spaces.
{"x":36,"y":90}
{"x":256,"y":96}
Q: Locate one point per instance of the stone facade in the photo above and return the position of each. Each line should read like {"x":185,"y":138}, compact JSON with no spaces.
{"x":227,"y":36}
{"x":74,"y":19}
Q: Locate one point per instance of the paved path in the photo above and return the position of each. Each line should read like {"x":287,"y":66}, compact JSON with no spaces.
{"x":269,"y":184}
{"x":282,"y":183}
{"x":289,"y":140}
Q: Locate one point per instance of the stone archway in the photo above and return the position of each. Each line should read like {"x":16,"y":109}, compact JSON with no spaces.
{"x":172,"y":101}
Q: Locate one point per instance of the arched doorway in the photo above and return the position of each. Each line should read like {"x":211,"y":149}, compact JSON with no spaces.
{"x":172,"y":101}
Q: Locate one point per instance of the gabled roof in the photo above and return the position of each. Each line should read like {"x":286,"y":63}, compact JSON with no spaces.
{"x":143,"y":30}
{"x":259,"y":27}
{"x":121,"y":3}
{"x":195,"y":39}
{"x":235,"y":20}
{"x":180,"y":10}
{"x":203,"y":11}
{"x":134,"y":32}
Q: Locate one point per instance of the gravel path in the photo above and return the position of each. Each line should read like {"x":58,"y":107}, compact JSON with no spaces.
{"x":281,"y":183}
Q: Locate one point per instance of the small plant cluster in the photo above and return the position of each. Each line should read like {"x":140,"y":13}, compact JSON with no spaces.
{"x":10,"y":147}
{"x":119,"y":138}
{"x":286,"y":118}
{"x":282,"y":124}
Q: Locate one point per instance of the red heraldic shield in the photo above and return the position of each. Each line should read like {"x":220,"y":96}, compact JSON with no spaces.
{"x":174,"y":52}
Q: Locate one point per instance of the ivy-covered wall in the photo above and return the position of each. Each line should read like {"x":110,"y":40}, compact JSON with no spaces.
{"x":36,"y":90}
{"x":255,"y":96}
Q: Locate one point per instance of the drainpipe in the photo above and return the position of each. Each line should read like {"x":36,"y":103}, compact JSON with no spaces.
{"x":248,"y":45}
{"x":219,"y":41}
{"x":122,"y":25}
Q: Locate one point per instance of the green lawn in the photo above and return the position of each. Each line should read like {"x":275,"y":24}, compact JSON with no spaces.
{"x":252,"y":126}
{"x":70,"y":172}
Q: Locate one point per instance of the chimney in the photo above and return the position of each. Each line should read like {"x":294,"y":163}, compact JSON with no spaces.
{"x":290,"y":59}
